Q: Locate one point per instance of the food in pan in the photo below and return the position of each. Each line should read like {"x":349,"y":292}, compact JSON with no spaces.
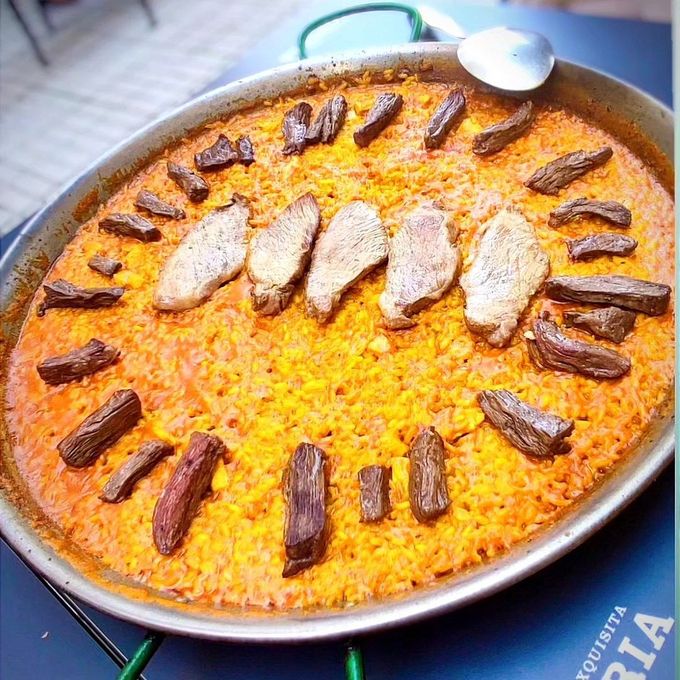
{"x":612,"y":211}
{"x":596,"y":245}
{"x":235,"y":457}
{"x":499,"y":135}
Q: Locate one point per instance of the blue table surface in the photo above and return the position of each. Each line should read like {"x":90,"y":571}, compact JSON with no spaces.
{"x":543,"y":627}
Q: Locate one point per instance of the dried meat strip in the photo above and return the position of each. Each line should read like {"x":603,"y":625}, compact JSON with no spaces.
{"x":134,"y":226}
{"x":596,"y":245}
{"x":306,"y":524}
{"x":610,"y":323}
{"x":612,"y":211}
{"x":386,"y":107}
{"x":193,"y":185}
{"x":246,"y":153}
{"x":78,"y":362}
{"x":535,"y":432}
{"x":104,"y":265}
{"x":101,"y":429}
{"x":374,"y":485}
{"x":123,"y":480}
{"x":61,"y":293}
{"x":498,"y":136}
{"x":295,"y":125}
{"x":178,"y":504}
{"x":564,"y":170}
{"x":428,"y":493}
{"x":620,"y":291}
{"x":220,"y":155}
{"x":147,"y":200}
{"x":448,"y":115}
{"x":328,"y":122}
{"x":550,"y":349}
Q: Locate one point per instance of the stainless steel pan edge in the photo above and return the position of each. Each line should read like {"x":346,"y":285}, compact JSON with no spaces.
{"x":47,"y":234}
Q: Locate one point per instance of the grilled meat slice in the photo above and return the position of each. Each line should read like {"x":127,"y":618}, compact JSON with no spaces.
{"x":212,"y":253}
{"x":428,"y":493}
{"x":612,"y":211}
{"x":178,"y":504}
{"x":101,"y":429}
{"x":78,"y":362}
{"x":246,"y":153}
{"x":448,"y":115}
{"x":498,"y":136}
{"x":550,"y":349}
{"x":329,"y":122}
{"x":530,"y":430}
{"x":621,"y":291}
{"x":508,"y":267}
{"x":147,"y":200}
{"x":61,"y":293}
{"x":104,"y":265}
{"x":220,"y":155}
{"x":279,"y":255}
{"x":610,"y":323}
{"x":422,"y":264}
{"x":306,"y":524}
{"x":595,"y":245}
{"x":123,"y":480}
{"x":374,"y":484}
{"x":564,"y":170}
{"x":134,"y":226}
{"x":354,"y":243}
{"x":386,"y":107}
{"x":295,"y":124}
{"x":193,"y":185}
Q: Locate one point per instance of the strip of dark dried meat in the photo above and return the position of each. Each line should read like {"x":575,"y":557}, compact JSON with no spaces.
{"x":147,"y":200}
{"x":246,"y":153}
{"x":329,"y":122}
{"x":386,"y":107}
{"x":610,"y":323}
{"x":123,"y":480}
{"x":104,"y":265}
{"x":134,"y":226}
{"x":498,"y":136}
{"x":620,"y":291}
{"x":550,"y":349}
{"x":220,"y":155}
{"x":61,"y":293}
{"x":78,"y":362}
{"x":428,"y":493}
{"x":448,"y":115}
{"x":596,"y":245}
{"x":295,"y":125}
{"x":194,"y":186}
{"x":374,"y":486}
{"x":306,"y":525}
{"x":535,"y":432}
{"x":564,"y":170}
{"x":178,"y":504}
{"x":101,"y":429}
{"x":612,"y":211}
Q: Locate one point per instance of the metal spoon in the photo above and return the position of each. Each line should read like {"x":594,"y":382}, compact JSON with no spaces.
{"x":507,"y":58}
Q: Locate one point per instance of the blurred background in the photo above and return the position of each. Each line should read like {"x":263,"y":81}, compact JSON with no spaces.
{"x":78,"y":76}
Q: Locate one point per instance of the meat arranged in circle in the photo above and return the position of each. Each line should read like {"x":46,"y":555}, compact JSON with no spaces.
{"x":507,"y":269}
{"x":423,"y":263}
{"x":212,"y":253}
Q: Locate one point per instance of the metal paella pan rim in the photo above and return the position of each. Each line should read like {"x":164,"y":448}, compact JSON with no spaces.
{"x":43,"y":239}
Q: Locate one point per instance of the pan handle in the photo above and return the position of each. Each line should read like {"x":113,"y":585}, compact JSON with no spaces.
{"x":413,"y":14}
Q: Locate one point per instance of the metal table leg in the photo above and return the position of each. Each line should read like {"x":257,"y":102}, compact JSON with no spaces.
{"x":29,"y":34}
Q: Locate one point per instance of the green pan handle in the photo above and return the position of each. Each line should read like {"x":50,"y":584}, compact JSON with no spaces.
{"x":412,"y":13}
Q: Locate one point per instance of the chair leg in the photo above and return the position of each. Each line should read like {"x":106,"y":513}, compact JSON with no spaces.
{"x":146,"y":6}
{"x":29,"y":34}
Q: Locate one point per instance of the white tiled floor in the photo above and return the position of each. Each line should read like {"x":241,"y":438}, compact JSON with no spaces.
{"x":110,"y":73}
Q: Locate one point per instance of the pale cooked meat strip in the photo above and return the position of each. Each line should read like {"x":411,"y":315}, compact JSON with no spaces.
{"x":212,"y":253}
{"x":354,"y":243}
{"x":279,"y":254}
{"x":422,"y":264}
{"x":507,"y":269}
